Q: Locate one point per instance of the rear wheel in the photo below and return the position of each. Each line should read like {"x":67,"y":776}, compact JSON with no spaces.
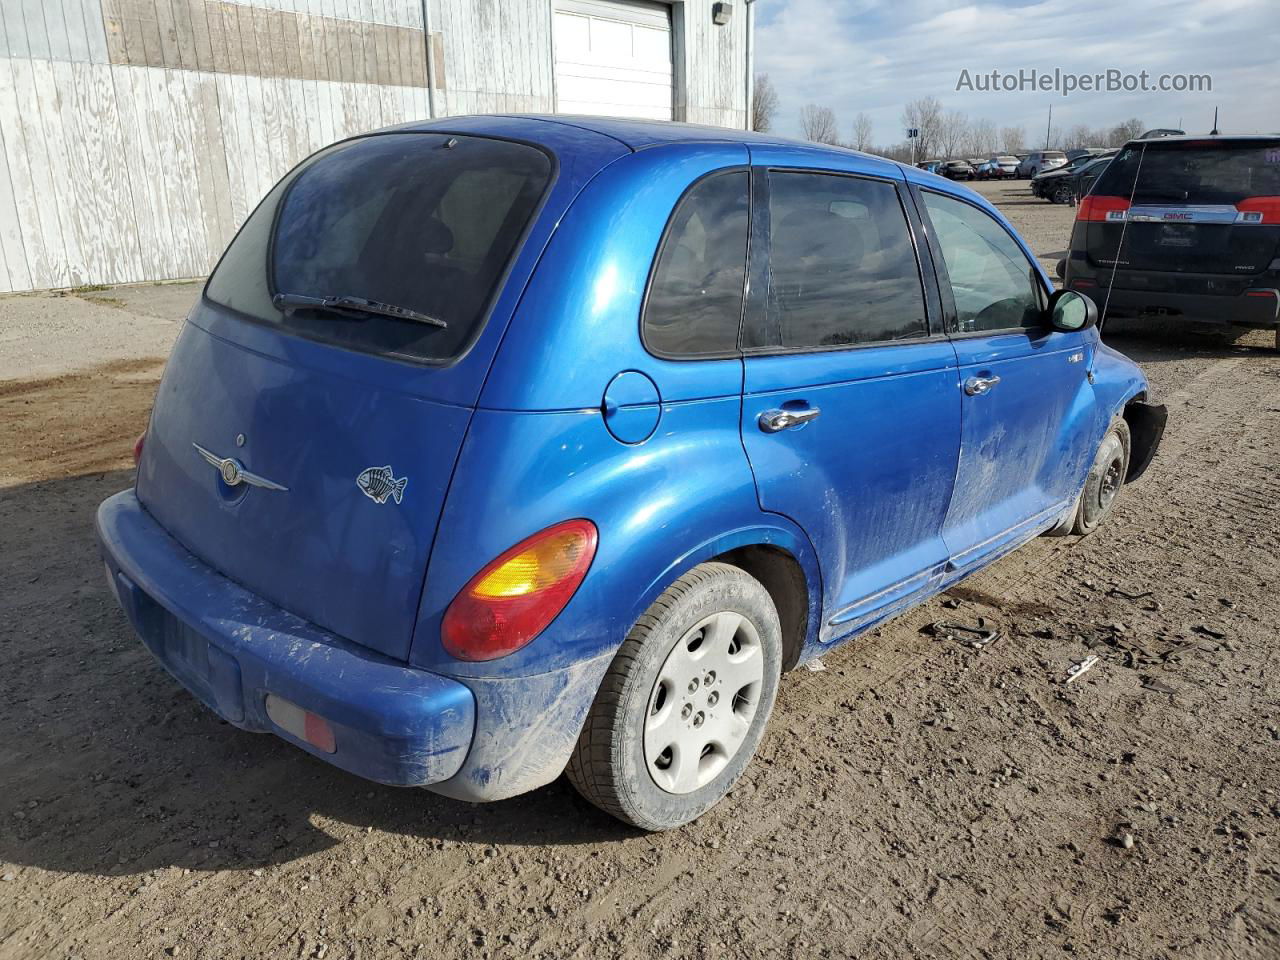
{"x":1106,"y":477}
{"x":685,"y":702}
{"x":1062,"y":194}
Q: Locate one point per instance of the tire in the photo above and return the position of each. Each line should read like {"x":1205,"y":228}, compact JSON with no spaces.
{"x":1062,"y":194}
{"x":661,"y":671}
{"x":1106,"y":477}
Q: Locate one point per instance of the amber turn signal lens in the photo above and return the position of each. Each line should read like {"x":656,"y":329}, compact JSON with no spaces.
{"x":516,"y":597}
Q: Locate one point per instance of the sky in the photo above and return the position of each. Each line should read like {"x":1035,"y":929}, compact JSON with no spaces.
{"x":856,"y":55}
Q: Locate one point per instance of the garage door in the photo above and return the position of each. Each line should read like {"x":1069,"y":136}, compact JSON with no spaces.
{"x":613,"y":59}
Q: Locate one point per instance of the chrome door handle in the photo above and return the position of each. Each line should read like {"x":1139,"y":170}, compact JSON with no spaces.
{"x":977,"y":386}
{"x":771,"y":421}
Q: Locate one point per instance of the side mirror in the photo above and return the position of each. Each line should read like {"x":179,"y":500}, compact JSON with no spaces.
{"x":1069,"y":311}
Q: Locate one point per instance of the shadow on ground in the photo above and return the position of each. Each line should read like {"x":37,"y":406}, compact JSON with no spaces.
{"x":111,"y":768}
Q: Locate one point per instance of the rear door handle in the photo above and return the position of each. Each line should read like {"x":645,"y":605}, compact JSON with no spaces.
{"x":977,"y":386}
{"x":771,"y":421}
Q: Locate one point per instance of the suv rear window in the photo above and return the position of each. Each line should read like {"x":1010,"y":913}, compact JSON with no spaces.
{"x":1195,"y":172}
{"x":426,"y":222}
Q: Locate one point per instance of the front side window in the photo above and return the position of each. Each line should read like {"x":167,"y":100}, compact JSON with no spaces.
{"x":695,"y":300}
{"x":993,"y":282}
{"x":842,"y":268}
{"x":422,"y":222}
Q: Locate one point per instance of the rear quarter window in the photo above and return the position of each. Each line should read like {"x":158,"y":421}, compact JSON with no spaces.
{"x":694,"y":305}
{"x":426,"y":222}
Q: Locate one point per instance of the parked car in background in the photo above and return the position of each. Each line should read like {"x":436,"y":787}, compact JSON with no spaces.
{"x":1003,"y":166}
{"x":1065,"y":184}
{"x":957,"y":170}
{"x":1162,"y":132}
{"x":1078,"y":152}
{"x":931,"y":166}
{"x":1038,"y":161}
{"x":1185,"y":227}
{"x":471,"y":466}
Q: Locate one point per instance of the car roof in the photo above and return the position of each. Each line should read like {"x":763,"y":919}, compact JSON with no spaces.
{"x":557,"y":130}
{"x":636,"y":134}
{"x":1258,"y":138}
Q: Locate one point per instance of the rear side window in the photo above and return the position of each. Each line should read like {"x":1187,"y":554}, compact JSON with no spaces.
{"x":842,"y":268}
{"x":1222,"y":173}
{"x":695,"y":299}
{"x":993,"y":282}
{"x":424,"y":222}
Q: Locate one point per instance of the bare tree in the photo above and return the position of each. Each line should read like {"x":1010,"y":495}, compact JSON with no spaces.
{"x":924,"y":115}
{"x":954,"y":132}
{"x":1078,"y":136}
{"x":862,"y":131}
{"x":983,"y":139}
{"x":1131,"y":129}
{"x":1013,"y":139}
{"x":764,"y":102}
{"x":819,"y":124}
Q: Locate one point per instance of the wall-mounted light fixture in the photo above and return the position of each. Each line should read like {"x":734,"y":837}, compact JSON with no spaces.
{"x":721,"y":13}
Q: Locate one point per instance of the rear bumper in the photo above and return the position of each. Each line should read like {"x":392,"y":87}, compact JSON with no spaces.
{"x":229,"y":647}
{"x":1234,"y":310}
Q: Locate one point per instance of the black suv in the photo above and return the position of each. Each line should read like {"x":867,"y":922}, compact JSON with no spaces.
{"x":1184,"y":227}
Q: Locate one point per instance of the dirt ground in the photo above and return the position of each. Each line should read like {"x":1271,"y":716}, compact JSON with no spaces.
{"x":918,"y":798}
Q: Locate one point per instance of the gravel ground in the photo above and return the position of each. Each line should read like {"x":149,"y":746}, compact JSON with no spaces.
{"x":918,"y":798}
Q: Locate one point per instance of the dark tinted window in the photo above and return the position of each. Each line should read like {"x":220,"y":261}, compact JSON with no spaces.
{"x":992,"y":280}
{"x":1223,"y":173}
{"x":695,"y":300}
{"x":398,"y":218}
{"x":842,"y":269}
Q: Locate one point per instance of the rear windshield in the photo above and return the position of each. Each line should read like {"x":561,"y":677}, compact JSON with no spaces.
{"x":424,"y":222}
{"x":1220,"y":173}
{"x":1054,"y":155}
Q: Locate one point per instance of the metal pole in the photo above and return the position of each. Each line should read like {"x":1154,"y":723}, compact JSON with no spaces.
{"x":751,"y":80}
{"x":1049,"y":129}
{"x":431,"y":59}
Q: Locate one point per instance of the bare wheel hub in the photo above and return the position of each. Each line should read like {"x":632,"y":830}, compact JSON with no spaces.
{"x":1111,"y":481}
{"x":703,"y":702}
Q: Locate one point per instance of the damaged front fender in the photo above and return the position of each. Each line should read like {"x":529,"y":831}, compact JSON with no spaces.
{"x":1146,"y":429}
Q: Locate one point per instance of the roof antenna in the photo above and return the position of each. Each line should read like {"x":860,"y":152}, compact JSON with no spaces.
{"x":1214,"y":131}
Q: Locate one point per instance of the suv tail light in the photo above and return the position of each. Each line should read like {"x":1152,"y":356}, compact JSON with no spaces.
{"x":515,"y":597}
{"x":1259,"y":210}
{"x":137,"y":448}
{"x":1102,"y":208}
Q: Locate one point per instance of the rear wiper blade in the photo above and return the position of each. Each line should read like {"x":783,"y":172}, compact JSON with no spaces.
{"x":342,"y":304}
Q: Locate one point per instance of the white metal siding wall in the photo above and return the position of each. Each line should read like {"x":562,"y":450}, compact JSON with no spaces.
{"x":137,"y":135}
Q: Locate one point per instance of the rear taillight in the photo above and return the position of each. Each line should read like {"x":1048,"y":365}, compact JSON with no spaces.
{"x":137,"y":448}
{"x":515,"y":597}
{"x":1259,"y":210}
{"x":1102,"y":209}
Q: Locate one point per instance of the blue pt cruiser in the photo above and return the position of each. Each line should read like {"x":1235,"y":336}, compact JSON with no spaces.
{"x":500,"y":447}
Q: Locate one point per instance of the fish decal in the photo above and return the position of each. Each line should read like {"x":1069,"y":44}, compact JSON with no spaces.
{"x":379,"y":483}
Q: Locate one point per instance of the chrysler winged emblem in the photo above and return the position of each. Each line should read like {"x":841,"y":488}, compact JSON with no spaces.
{"x":233,"y":472}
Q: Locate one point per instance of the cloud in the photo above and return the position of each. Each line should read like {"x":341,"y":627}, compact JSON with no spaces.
{"x":873,"y":57}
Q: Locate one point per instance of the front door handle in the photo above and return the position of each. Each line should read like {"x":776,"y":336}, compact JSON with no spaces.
{"x":771,"y":421}
{"x":977,"y":386}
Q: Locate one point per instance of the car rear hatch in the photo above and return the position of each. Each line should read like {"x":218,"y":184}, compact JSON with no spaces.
{"x":1208,"y":207}
{"x":303,"y":449}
